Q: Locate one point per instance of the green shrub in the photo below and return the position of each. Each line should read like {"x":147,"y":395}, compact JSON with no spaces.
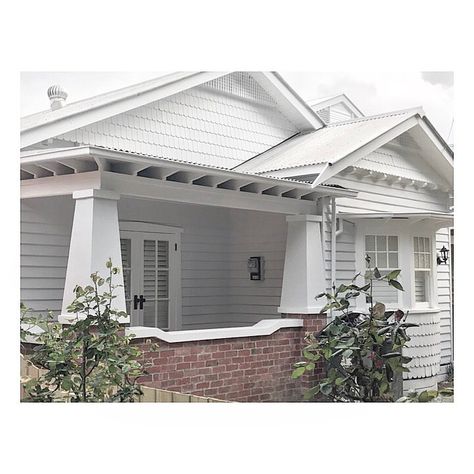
{"x":362,"y":350}
{"x":89,"y":360}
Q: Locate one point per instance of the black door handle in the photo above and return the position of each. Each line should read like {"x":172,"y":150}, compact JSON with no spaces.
{"x":138,"y":300}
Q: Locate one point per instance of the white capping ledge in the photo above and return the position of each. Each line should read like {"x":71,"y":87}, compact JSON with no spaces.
{"x":262,"y":328}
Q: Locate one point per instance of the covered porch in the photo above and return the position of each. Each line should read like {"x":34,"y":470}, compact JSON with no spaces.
{"x":183,"y":235}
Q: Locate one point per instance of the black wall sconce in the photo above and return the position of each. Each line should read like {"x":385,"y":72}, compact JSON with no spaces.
{"x":443,"y":258}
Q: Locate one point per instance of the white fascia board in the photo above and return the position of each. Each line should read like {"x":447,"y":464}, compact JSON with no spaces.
{"x":302,"y":170}
{"x":391,"y":215}
{"x":67,"y":119}
{"x":334,"y":168}
{"x":262,"y":328}
{"x":434,"y":220}
{"x":444,"y":160}
{"x":303,"y":116}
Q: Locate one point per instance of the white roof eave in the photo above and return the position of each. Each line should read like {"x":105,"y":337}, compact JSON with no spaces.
{"x":62,"y":155}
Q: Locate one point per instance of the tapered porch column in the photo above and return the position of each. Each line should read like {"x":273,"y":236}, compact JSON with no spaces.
{"x":95,"y":238}
{"x":303,"y":274}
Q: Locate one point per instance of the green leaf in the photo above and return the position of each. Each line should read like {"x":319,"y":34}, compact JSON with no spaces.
{"x":396,"y":284}
{"x":311,"y":393}
{"x":393,"y":275}
{"x":427,"y":396}
{"x":310,"y":367}
{"x":298,"y":372}
{"x":66,"y":384}
{"x":384,"y":330}
{"x":325,"y":388}
{"x":347,"y":353}
{"x":309,"y":355}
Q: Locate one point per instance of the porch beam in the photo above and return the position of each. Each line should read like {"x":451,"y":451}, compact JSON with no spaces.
{"x":140,"y":187}
{"x":59,"y":185}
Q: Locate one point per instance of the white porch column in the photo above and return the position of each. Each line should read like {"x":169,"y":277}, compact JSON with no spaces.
{"x":95,"y":238}
{"x":303,"y":274}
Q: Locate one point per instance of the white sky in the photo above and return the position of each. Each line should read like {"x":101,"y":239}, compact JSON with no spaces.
{"x":372,"y":92}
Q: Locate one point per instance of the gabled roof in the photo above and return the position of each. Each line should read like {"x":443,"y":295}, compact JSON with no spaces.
{"x":327,"y":145}
{"x":50,"y":123}
{"x":328,"y":151}
{"x":323,"y":102}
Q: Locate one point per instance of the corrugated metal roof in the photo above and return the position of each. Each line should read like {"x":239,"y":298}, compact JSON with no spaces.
{"x":327,"y":145}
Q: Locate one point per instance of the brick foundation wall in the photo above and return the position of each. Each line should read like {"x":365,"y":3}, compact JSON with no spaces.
{"x":243,"y":369}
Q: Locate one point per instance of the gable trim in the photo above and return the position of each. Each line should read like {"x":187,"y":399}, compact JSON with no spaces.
{"x":304,"y":117}
{"x":334,"y":168}
{"x":38,"y":127}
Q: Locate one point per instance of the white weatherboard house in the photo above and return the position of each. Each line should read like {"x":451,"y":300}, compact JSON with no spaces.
{"x":182,"y":179}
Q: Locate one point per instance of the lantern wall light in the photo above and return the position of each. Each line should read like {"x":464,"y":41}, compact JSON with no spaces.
{"x":442,"y":257}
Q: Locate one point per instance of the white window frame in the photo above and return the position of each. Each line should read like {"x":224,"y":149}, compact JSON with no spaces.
{"x":145,"y":230}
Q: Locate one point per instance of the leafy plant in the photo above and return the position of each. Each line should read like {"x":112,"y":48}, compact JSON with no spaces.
{"x":441,"y":395}
{"x":362,"y":350}
{"x":89,"y":360}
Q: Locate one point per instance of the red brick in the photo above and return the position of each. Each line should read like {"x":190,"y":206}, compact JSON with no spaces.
{"x":241,"y":369}
{"x":183,"y":365}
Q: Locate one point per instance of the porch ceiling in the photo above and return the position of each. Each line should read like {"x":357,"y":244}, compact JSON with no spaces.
{"x":38,"y":166}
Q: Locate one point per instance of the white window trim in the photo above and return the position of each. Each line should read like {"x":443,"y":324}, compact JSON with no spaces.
{"x":127,"y":228}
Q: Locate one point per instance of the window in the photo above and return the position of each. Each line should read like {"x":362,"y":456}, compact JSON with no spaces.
{"x":422,"y":253}
{"x":383,"y":253}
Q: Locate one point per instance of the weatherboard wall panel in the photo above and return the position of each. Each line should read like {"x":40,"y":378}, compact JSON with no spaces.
{"x":444,"y":300}
{"x":44,"y":235}
{"x":215,"y":246}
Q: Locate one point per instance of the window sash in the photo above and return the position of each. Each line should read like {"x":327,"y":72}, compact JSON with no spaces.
{"x":383,"y":251}
{"x":422,"y":272}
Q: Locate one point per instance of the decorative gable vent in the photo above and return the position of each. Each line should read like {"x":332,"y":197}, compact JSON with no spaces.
{"x":243,"y":85}
{"x":325,"y":114}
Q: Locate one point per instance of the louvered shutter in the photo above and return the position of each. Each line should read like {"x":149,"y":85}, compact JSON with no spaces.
{"x":156,"y":283}
{"x":126,"y":249}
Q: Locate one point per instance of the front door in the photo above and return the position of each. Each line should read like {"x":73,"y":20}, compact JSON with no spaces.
{"x":149,"y":262}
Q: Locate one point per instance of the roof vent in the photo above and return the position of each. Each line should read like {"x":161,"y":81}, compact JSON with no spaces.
{"x":57,"y":97}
